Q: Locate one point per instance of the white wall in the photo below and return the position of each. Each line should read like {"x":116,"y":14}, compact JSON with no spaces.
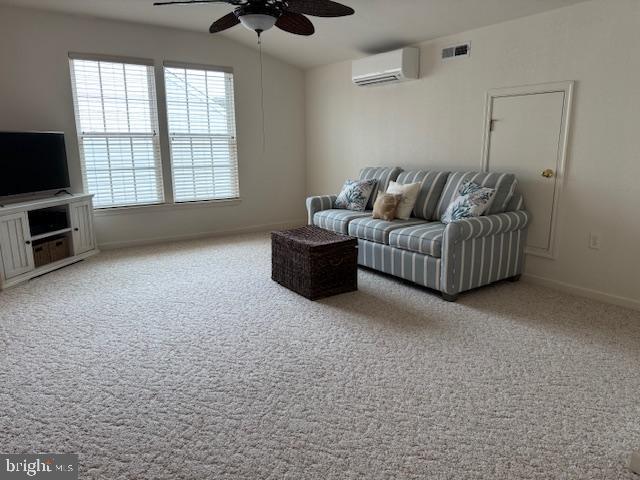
{"x":438,"y":122}
{"x":35,"y":94}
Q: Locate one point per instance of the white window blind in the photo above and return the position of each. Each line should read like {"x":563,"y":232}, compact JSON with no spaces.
{"x":202,"y":133}
{"x":117,"y":122}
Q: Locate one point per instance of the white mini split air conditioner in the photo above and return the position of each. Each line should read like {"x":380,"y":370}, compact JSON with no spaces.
{"x":391,"y":67}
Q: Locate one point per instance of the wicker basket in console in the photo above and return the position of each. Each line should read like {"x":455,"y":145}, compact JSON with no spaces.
{"x":314,"y":262}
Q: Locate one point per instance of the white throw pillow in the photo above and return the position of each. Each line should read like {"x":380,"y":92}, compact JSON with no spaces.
{"x":409,"y":194}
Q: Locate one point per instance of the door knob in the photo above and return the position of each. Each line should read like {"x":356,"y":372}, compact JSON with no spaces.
{"x":548,"y":173}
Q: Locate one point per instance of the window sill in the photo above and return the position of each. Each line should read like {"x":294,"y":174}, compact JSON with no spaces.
{"x":108,"y":212}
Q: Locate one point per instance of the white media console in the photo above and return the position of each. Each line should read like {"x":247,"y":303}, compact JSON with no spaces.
{"x":41,"y":235}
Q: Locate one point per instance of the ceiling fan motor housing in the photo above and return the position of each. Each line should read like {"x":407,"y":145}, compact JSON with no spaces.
{"x":259,"y":16}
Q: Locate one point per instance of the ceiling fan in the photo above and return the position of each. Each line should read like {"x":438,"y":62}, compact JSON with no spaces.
{"x":261,"y":15}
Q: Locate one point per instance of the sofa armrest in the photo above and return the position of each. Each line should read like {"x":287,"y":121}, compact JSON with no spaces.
{"x":486,"y":226}
{"x":482,"y":250}
{"x":319,"y":203}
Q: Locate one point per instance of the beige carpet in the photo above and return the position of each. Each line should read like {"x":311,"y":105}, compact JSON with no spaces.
{"x":185,"y":361}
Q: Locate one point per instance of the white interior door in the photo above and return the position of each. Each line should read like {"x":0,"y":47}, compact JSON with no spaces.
{"x":527,"y":136}
{"x":15,"y":245}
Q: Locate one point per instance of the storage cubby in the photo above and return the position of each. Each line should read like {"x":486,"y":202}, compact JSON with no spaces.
{"x":49,"y":221}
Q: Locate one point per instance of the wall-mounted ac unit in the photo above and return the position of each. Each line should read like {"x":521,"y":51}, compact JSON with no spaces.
{"x":391,"y":67}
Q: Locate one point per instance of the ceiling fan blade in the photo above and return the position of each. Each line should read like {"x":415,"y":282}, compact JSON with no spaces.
{"x":196,"y":2}
{"x":319,"y":8}
{"x":295,"y":23}
{"x":228,"y":21}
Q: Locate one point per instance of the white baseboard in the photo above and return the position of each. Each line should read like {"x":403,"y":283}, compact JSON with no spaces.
{"x":195,"y":236}
{"x":583,"y":292}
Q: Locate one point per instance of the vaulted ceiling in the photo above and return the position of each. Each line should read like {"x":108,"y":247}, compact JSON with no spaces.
{"x":377,"y":26}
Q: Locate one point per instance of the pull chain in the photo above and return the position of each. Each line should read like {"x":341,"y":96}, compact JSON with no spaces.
{"x":262,"y":92}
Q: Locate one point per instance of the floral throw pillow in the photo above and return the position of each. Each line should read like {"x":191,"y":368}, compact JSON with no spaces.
{"x":469,"y":187}
{"x":355,"y":194}
{"x":472,"y":201}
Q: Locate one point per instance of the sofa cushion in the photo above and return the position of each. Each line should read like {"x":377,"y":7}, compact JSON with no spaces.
{"x":503,"y":183}
{"x":337,"y":220}
{"x":432,"y":184}
{"x":384,"y":175}
{"x":425,"y":238}
{"x":375,"y":230}
{"x":516,"y":202}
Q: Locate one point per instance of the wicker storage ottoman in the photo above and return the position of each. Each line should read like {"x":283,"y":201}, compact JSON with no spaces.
{"x":314,"y":262}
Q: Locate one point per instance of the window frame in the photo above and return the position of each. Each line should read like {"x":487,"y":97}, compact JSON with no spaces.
{"x":154,"y":99}
{"x":162,"y":134}
{"x":170,"y":173}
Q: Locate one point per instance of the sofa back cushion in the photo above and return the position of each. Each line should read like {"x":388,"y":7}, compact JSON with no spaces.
{"x":503,"y":183}
{"x":384,"y":175}
{"x":431,"y":186}
{"x":516,"y":203}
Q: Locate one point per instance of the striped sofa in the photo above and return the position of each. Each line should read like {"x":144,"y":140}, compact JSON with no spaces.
{"x":450,"y":258}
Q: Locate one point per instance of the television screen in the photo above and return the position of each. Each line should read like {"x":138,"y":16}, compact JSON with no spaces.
{"x":32,"y":162}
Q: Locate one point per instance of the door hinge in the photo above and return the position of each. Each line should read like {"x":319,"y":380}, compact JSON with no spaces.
{"x":492,"y":125}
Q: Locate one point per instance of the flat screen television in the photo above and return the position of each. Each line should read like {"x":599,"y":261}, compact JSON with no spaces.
{"x":32,"y":162}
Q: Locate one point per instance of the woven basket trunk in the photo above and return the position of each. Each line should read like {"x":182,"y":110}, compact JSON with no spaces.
{"x":314,"y":263}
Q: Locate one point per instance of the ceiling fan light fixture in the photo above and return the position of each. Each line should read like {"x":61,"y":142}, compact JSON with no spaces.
{"x":258,"y":22}
{"x":262,"y":15}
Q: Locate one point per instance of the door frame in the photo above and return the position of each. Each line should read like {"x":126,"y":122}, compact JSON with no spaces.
{"x":567,"y":87}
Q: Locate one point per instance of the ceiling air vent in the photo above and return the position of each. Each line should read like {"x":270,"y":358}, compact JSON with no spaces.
{"x":457,"y":51}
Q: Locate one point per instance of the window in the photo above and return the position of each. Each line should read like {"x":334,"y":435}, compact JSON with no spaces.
{"x":118,"y":134}
{"x":117,"y":123}
{"x":202,"y":133}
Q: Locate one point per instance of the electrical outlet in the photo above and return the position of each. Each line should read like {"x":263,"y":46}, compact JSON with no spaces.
{"x":595,"y":241}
